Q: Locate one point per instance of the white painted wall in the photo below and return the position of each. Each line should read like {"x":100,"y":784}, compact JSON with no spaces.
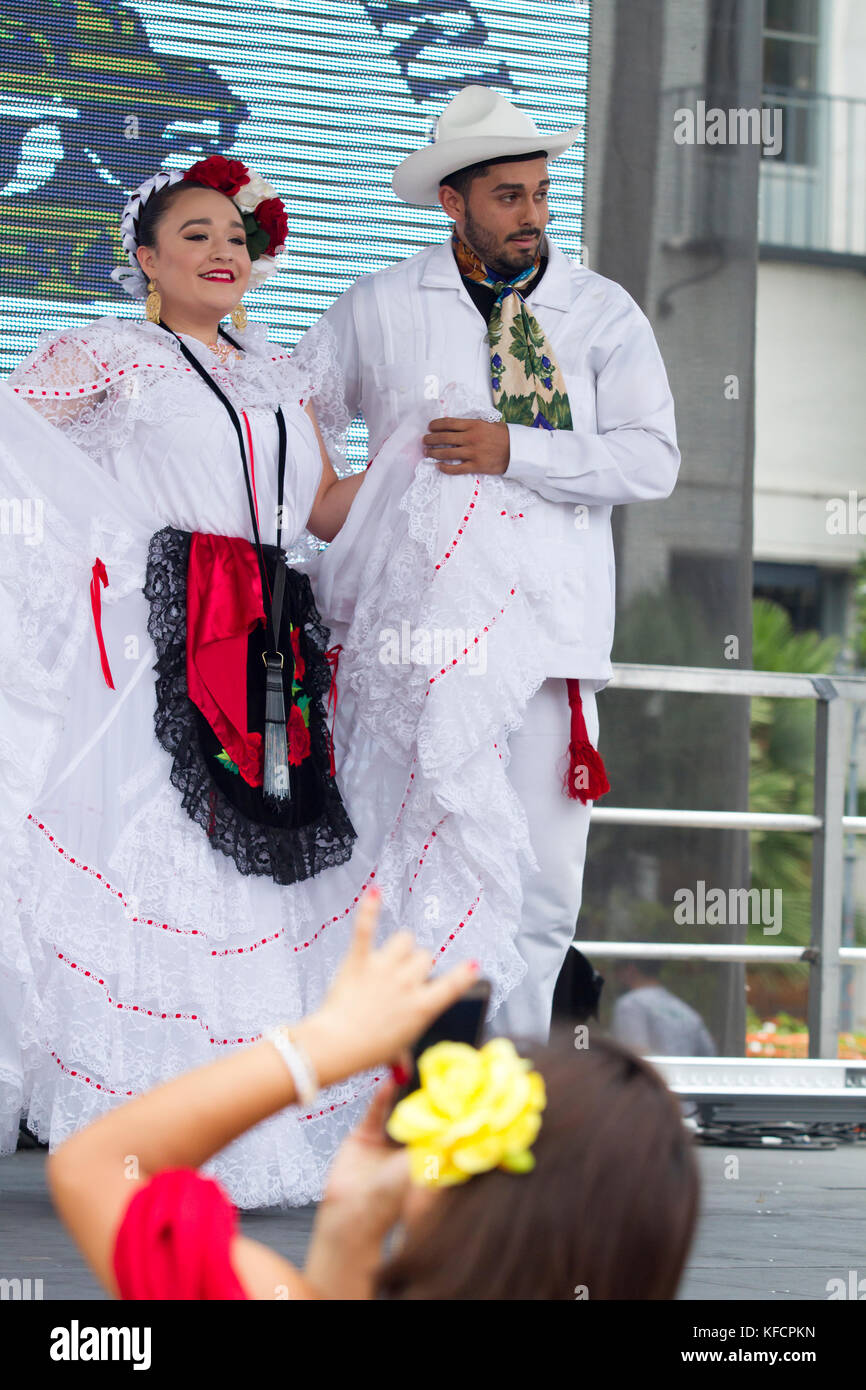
{"x":810,"y":410}
{"x":844,"y":73}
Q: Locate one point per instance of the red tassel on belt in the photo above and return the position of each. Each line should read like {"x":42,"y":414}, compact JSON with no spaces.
{"x":99,"y":576}
{"x":586,"y":779}
{"x":332,"y":656}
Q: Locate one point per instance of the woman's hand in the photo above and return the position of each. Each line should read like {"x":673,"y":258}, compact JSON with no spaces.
{"x":369,"y":1178}
{"x":364,"y":1197}
{"x":380,"y":1001}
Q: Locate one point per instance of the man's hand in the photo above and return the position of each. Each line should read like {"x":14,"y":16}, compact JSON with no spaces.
{"x":468,"y":446}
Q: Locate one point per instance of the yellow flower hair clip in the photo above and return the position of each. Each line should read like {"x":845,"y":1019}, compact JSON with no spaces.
{"x":476,"y":1109}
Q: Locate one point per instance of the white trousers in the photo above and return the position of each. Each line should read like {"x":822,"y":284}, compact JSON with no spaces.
{"x":558,"y":828}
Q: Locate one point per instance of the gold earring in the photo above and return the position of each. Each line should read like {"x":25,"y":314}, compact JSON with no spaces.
{"x":239,"y":317}
{"x":153,"y":306}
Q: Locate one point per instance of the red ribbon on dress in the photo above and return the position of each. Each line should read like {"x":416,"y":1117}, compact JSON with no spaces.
{"x":99,"y":576}
{"x":332,"y":656}
{"x":584,"y":761}
{"x":252,"y":466}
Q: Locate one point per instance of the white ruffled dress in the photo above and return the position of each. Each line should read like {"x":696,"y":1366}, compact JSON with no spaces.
{"x":130,"y":949}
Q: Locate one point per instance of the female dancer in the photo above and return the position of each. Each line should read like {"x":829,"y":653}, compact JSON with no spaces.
{"x":170,"y":800}
{"x":575,"y":1180}
{"x":182,"y":857}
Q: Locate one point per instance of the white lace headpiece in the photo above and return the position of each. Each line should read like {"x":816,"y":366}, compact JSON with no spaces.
{"x":248,"y":197}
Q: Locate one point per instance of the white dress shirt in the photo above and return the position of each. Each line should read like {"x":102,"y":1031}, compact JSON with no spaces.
{"x":406,"y":332}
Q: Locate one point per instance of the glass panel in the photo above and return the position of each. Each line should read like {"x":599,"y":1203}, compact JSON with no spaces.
{"x":792,"y":16}
{"x":789,"y":65}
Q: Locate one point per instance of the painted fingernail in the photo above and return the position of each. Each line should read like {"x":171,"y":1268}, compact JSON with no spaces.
{"x":373,"y":892}
{"x":473,"y":965}
{"x":400,"y":1074}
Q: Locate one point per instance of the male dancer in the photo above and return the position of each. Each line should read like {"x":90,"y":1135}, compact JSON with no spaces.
{"x":571,"y":362}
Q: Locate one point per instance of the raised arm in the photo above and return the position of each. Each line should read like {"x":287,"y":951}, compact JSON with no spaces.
{"x":379,"y":1002}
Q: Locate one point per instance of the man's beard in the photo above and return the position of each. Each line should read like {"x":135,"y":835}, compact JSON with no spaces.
{"x":506,"y":259}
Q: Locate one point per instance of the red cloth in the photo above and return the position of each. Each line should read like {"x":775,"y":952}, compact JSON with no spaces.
{"x":586,"y":778}
{"x":98,"y":575}
{"x":174,"y":1241}
{"x":224,"y":604}
{"x":332,"y":656}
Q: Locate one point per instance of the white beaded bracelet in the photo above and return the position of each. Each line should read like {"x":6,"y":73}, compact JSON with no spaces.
{"x":302,"y":1070}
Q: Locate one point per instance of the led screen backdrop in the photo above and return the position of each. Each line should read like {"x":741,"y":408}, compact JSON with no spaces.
{"x":323,"y":99}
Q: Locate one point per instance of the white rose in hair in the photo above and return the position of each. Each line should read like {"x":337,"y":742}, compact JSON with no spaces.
{"x":263,"y":268}
{"x":253,"y":193}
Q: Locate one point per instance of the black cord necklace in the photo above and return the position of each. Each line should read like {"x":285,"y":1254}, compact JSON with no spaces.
{"x":276,"y":763}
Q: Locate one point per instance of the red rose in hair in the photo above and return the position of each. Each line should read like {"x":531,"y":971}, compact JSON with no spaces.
{"x":271,"y":217}
{"x":225,"y":175}
{"x":299,"y":738}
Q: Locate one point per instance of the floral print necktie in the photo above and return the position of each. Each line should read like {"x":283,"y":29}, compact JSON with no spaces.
{"x":528,"y":387}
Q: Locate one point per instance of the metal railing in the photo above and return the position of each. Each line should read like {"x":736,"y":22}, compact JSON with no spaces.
{"x":828,"y":825}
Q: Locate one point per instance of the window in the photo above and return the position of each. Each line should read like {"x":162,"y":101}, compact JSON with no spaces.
{"x":790,"y":71}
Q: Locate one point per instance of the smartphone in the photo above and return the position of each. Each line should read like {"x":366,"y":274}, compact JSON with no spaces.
{"x":462,"y":1022}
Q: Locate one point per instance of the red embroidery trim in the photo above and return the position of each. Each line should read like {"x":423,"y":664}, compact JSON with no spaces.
{"x":275,"y":936}
{"x":98,"y":385}
{"x":454,"y":542}
{"x":196,"y":931}
{"x":443,"y":948}
{"x":109,"y":1090}
{"x":121,"y":371}
{"x":423,"y":855}
{"x":455,"y":659}
{"x":115,"y":892}
{"x":317,"y":1114}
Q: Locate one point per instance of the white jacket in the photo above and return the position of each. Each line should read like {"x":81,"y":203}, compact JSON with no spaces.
{"x":406,"y":332}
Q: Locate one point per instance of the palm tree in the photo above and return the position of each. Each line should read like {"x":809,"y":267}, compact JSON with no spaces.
{"x":781,"y":779}
{"x":781,"y":760}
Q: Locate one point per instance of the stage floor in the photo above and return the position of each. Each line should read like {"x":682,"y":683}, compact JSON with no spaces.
{"x":779,"y":1231}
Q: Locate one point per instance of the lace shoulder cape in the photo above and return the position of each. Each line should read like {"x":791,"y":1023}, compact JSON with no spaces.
{"x":97,"y":381}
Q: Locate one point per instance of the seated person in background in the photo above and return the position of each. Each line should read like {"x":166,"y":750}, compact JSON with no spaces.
{"x":576,"y":1180}
{"x":652,"y":1020}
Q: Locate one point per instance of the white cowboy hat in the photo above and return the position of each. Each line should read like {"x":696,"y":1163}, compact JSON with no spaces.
{"x":477,"y":124}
